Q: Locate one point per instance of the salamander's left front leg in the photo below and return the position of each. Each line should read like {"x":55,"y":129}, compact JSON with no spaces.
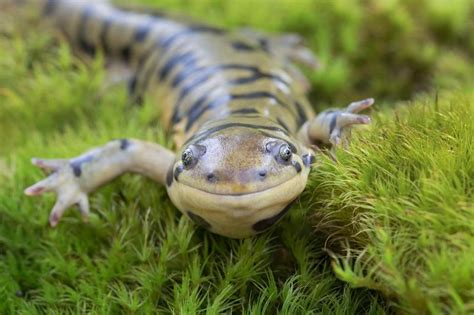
{"x":73,"y":179}
{"x":329,"y":126}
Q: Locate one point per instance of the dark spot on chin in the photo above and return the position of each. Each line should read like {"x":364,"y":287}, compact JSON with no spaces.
{"x":199,"y":220}
{"x":262,"y":173}
{"x":178,"y":170}
{"x":297,"y":166}
{"x":266,"y":223}
{"x":308,"y":159}
{"x":169,"y":177}
{"x":124,"y":144}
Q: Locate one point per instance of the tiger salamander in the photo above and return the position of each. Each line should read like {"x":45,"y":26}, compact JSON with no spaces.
{"x":233,"y":101}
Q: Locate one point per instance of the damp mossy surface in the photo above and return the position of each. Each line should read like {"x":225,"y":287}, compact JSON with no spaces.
{"x":388,"y":228}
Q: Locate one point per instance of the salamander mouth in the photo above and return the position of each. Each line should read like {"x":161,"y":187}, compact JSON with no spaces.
{"x":189,"y":198}
{"x":234,"y":214}
{"x":249,"y":193}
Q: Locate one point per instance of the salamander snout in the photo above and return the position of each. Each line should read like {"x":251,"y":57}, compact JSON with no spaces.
{"x":251,"y":175}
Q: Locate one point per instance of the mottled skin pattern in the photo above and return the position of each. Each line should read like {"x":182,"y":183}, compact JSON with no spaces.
{"x":233,"y":101}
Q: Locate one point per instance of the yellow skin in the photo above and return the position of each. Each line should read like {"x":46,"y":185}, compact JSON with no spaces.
{"x":234,"y":102}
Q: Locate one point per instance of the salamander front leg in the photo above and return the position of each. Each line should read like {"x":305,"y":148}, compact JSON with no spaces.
{"x":73,"y":179}
{"x":330,"y":126}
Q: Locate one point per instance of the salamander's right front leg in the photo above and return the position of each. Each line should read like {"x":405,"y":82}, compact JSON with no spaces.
{"x":73,"y":179}
{"x":329,"y":126}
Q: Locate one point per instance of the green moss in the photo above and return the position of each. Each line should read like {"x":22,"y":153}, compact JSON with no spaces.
{"x":405,"y":197}
{"x":395,"y":213}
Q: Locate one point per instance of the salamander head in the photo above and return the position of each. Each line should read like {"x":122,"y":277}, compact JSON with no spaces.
{"x":235,"y":178}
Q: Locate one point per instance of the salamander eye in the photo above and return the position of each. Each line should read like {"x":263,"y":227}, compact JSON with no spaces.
{"x":192,"y":154}
{"x":285,"y":152}
{"x":187,"y":157}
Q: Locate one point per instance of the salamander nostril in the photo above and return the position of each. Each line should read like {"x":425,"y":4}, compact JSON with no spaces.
{"x":262,"y":173}
{"x":211,"y":177}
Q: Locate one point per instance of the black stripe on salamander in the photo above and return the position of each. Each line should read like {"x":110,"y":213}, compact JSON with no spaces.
{"x":205,"y":28}
{"x":125,"y":52}
{"x":282,"y":123}
{"x":167,"y":42}
{"x":266,"y":223}
{"x":198,"y":108}
{"x":302,"y":117}
{"x":253,"y":78}
{"x":162,"y":45}
{"x":132,"y":90}
{"x":244,"y":111}
{"x":241,"y":46}
{"x":103,"y":35}
{"x":263,"y":42}
{"x":142,"y":31}
{"x":87,"y":47}
{"x":144,"y":75}
{"x":203,"y":76}
{"x":76,"y":164}
{"x":197,"y":105}
{"x":183,"y":59}
{"x":332,"y":123}
{"x":200,"y":80}
{"x":215,"y":129}
{"x":187,"y":72}
{"x":206,"y":72}
{"x":257,"y":95}
{"x":49,"y":7}
{"x":124,"y":144}
{"x":146,"y":55}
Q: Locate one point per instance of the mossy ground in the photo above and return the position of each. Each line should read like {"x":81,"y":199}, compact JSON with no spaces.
{"x":393,"y":218}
